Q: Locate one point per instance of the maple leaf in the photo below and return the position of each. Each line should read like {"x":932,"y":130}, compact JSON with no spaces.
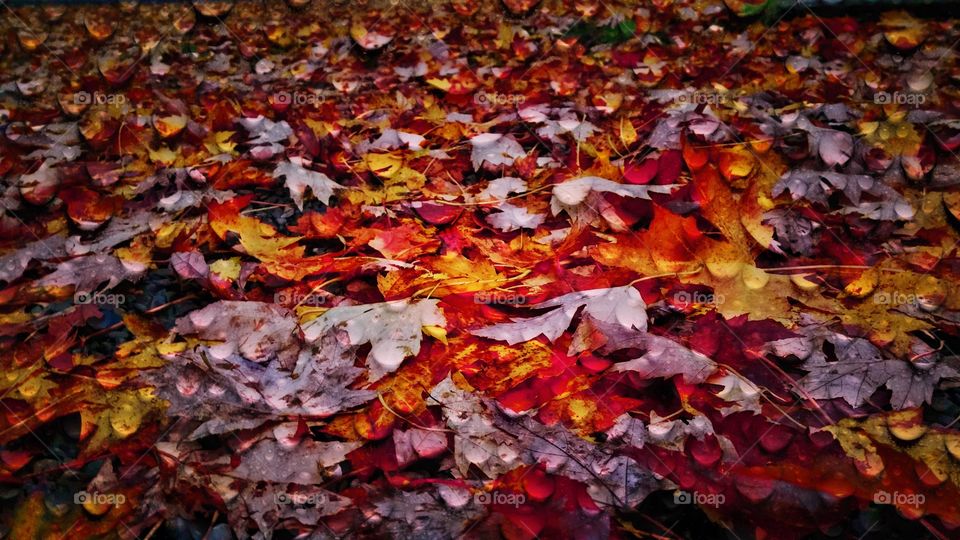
{"x":835,"y":147}
{"x":510,"y":218}
{"x":110,"y":417}
{"x":13,"y":265}
{"x":449,"y":273}
{"x":859,"y":370}
{"x":665,"y":358}
{"x":391,"y":139}
{"x":673,"y":434}
{"x":570,"y":194}
{"x":368,"y":39}
{"x":266,"y":135}
{"x":276,"y":505}
{"x":261,"y":330}
{"x":499,"y":189}
{"x":612,"y":480}
{"x":495,"y":149}
{"x":815,"y":186}
{"x":507,"y":442}
{"x":403,"y":241}
{"x":39,"y":186}
{"x":236,"y":394}
{"x":272,"y":461}
{"x":622,"y":305}
{"x":796,"y":233}
{"x":88,"y":272}
{"x":298,"y":179}
{"x":476,"y":441}
{"x":440,"y":510}
{"x":802,"y":238}
{"x":120,"y":229}
{"x":392,"y":328}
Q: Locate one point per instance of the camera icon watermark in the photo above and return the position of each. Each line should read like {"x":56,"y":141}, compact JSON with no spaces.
{"x":300,"y":499}
{"x":899,"y":499}
{"x":501,"y":498}
{"x":102,"y":499}
{"x":496,"y":99}
{"x":288,"y":298}
{"x":504,"y":299}
{"x":687,"y":298}
{"x":99,"y":298}
{"x":702,"y":499}
{"x":914,"y":99}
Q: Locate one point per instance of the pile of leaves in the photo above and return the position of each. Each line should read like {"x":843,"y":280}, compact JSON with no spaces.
{"x":470,"y":269}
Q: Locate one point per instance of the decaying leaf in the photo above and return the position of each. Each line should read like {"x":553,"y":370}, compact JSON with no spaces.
{"x":394,"y":329}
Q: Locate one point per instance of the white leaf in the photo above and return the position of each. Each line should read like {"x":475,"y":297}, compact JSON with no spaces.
{"x":666,"y":358}
{"x":392,"y":328}
{"x":550,"y":325}
{"x":476,"y":441}
{"x":298,"y":179}
{"x":88,"y":272}
{"x":392,"y":139}
{"x":511,"y":218}
{"x":256,"y":330}
{"x":672,"y":434}
{"x":859,"y":369}
{"x":743,"y":393}
{"x":495,"y":149}
{"x":581,"y":130}
{"x":12,"y":265}
{"x":501,"y":188}
{"x":265,"y":131}
{"x":455,"y":497}
{"x":621,"y":305}
{"x":46,"y":175}
{"x":264,"y":66}
{"x":835,"y":147}
{"x":269,"y":461}
{"x":569,"y":194}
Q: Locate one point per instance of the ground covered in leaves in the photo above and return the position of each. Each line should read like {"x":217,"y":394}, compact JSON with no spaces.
{"x":480,"y":270}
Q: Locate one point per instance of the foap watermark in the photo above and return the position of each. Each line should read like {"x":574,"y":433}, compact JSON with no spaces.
{"x":695,"y":497}
{"x":103,"y":499}
{"x":499,"y":497}
{"x":98,"y":98}
{"x":899,"y":499}
{"x":700,"y":98}
{"x":297,"y":98}
{"x":503,"y":299}
{"x":690,"y":98}
{"x":299,"y":299}
{"x":300,"y":499}
{"x":496,"y":99}
{"x":99,"y":298}
{"x":895,"y":299}
{"x":900,"y":98}
{"x":686,"y":298}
